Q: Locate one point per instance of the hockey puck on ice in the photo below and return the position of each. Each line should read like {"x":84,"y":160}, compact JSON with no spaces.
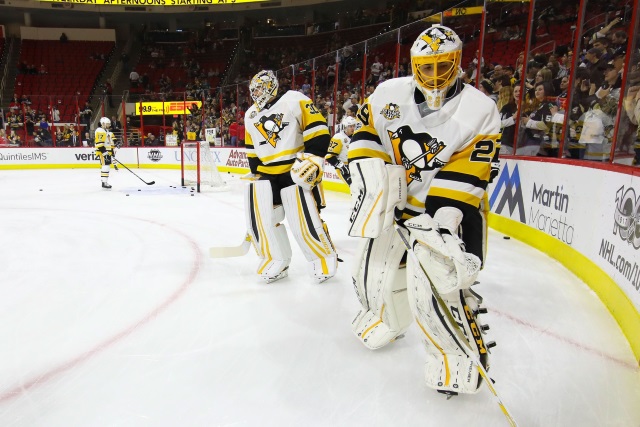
{"x":139,"y":189}
{"x":192,"y":194}
{"x":127,"y":194}
{"x":506,"y":237}
{"x":41,"y":189}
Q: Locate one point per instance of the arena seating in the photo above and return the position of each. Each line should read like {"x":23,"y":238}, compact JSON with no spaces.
{"x":70,"y":72}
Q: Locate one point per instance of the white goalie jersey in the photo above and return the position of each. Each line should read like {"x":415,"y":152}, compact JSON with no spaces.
{"x":286,"y":126}
{"x":447,"y":153}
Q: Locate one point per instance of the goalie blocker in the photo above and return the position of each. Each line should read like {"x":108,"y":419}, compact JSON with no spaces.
{"x":391,"y":296}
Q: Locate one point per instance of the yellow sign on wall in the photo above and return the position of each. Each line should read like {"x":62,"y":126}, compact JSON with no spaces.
{"x":170,"y":107}
{"x":154,"y":2}
{"x":463,"y":11}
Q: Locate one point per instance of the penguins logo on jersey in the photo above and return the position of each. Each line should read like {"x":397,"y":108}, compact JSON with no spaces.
{"x":270,"y":127}
{"x":415,"y":151}
{"x":434,"y":37}
{"x":391,"y":111}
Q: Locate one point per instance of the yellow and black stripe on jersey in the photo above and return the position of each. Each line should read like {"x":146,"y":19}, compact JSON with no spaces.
{"x":284,"y":127}
{"x":447,"y":154}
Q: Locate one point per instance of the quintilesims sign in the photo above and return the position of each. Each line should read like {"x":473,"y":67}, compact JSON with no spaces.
{"x":153,"y":2}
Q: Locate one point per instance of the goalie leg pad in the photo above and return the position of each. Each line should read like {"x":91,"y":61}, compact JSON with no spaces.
{"x":447,"y":366}
{"x":381,"y":289}
{"x":310,"y":232}
{"x":441,"y":252}
{"x":268,"y":236}
{"x":377,"y":190}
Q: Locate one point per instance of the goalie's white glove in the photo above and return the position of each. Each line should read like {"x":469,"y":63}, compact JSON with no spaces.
{"x":307,"y":170}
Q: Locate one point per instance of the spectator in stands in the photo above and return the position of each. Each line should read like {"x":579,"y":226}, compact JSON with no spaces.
{"x":508,"y":107}
{"x":538,"y":123}
{"x":606,"y":29}
{"x":353,"y":100}
{"x":306,"y":87}
{"x":545,"y":75}
{"x":87,"y":141}
{"x":151,"y":141}
{"x":632,"y":108}
{"x":74,"y":138}
{"x":14,"y":139}
{"x":241,"y":132}
{"x":233,"y":133}
{"x":55,"y":114}
{"x":28,"y":121}
{"x":63,"y":38}
{"x":376,"y":70}
{"x":42,"y":138}
{"x":43,"y":123}
{"x":115,"y":124}
{"x":15,"y":120}
{"x":85,"y":115}
{"x":486,"y":87}
{"x":134,"y":78}
{"x":603,"y":43}
{"x":595,"y":66}
{"x":619,"y":40}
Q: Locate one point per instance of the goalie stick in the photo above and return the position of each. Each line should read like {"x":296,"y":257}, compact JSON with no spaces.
{"x":124,"y":166}
{"x":458,"y":332}
{"x":231,"y":251}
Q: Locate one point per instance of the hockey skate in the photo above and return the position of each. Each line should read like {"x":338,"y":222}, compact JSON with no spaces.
{"x":270,"y":279}
{"x":319,"y":278}
{"x":106,"y":185}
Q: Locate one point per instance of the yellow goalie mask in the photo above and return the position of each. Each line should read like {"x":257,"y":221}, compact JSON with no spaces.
{"x":435,"y":61}
{"x":263,"y":88}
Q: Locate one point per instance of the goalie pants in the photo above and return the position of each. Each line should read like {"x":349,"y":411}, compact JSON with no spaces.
{"x":284,"y":180}
{"x":392,"y":297}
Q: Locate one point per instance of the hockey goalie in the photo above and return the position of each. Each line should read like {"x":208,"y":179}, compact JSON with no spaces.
{"x":287,"y":139}
{"x":422,"y":159}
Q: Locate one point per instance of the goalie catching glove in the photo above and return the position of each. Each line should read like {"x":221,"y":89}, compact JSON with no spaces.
{"x":307,"y":170}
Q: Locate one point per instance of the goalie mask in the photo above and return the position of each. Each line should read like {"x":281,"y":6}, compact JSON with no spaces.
{"x":263,"y":88}
{"x":105,"y":123}
{"x":435,"y":61}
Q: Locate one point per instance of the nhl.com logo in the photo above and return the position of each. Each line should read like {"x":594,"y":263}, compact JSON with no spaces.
{"x":154,"y":155}
{"x":627,"y":216}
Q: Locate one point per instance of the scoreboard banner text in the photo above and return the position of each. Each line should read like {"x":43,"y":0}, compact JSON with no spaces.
{"x":167,"y":107}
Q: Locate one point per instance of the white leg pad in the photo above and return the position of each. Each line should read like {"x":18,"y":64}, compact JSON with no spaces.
{"x":268,"y":235}
{"x":447,"y":366}
{"x":382,"y":291}
{"x":310,"y":232}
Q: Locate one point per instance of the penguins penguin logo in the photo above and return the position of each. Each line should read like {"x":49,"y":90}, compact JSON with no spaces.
{"x":269,"y":127}
{"x":415,"y":151}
